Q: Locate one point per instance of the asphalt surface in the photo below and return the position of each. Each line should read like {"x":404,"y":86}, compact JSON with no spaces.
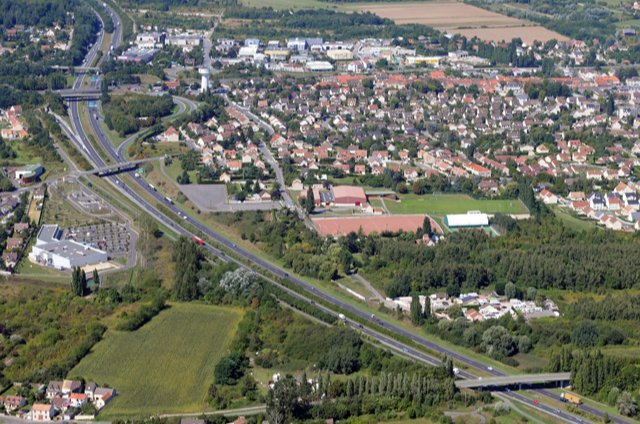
{"x":90,"y":152}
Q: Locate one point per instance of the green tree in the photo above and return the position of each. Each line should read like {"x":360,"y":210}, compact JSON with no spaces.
{"x":96,"y":278}
{"x":310,"y":203}
{"x":532,"y":292}
{"x":605,"y":418}
{"x":416,"y":311}
{"x":283,"y":401}
{"x":401,"y":188}
{"x":610,"y":105}
{"x":417,"y":187}
{"x":510,"y":290}
{"x":627,"y":405}
{"x":78,"y":281}
{"x":585,"y":335}
{"x":229,"y":369}
{"x":426,"y":226}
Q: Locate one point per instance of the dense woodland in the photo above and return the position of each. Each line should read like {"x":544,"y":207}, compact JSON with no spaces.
{"x":122,"y":113}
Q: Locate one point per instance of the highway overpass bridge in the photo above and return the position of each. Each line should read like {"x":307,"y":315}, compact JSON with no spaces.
{"x":81,"y":94}
{"x":559,"y":377}
{"x":120,"y":167}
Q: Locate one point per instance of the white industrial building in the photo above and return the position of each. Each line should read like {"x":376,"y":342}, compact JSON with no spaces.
{"x":187,"y":42}
{"x":63,"y":254}
{"x":319,"y":66}
{"x":150,"y":40}
{"x":471,"y":219}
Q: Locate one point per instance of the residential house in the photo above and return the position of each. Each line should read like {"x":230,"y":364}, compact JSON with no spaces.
{"x":14,"y":243}
{"x":77,"y":399}
{"x":54,"y":389}
{"x":548,"y":198}
{"x":89,"y":390}
{"x":10,"y":259}
{"x":11,"y":403}
{"x":42,"y":412}
{"x":171,"y":135}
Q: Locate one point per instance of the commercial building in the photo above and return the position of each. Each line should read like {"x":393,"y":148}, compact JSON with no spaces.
{"x":319,"y":66}
{"x":187,"y":42}
{"x":304,"y":43}
{"x":29,"y":173}
{"x":277,"y":53}
{"x":138,"y":55}
{"x":252,"y":42}
{"x":472,"y":219}
{"x":348,"y":196}
{"x":248,"y":51}
{"x":430,"y":60}
{"x":150,"y":40}
{"x":459,"y":54}
{"x":340,"y":54}
{"x":60,"y":254}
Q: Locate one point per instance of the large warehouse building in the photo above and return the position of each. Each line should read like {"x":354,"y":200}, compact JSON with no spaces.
{"x":472,"y":219}
{"x":61,"y":254}
{"x":349,"y":196}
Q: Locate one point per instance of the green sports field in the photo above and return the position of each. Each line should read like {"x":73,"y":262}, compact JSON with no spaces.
{"x":167,"y":365}
{"x":450,"y":204}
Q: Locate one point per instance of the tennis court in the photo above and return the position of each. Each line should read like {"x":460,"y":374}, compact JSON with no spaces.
{"x":342,"y":226}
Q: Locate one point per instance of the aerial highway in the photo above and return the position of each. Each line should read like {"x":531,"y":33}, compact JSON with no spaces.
{"x":88,"y":150}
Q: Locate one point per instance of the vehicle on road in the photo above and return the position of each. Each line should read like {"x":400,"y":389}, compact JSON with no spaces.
{"x":490,"y":368}
{"x":312,"y":302}
{"x":568,"y":397}
{"x":579,"y":419}
{"x":342,"y":317}
{"x":537,"y":402}
{"x":168,"y":199}
{"x":404,"y":349}
{"x":198,"y":240}
{"x":557,"y":410}
{"x":286,"y":275}
{"x":152,"y":187}
{"x":456,"y":371}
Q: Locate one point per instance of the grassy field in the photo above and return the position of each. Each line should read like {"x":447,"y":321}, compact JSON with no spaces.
{"x":175,"y":169}
{"x":451,"y":204}
{"x":152,"y":372}
{"x":574,"y":223}
{"x":113,"y":136}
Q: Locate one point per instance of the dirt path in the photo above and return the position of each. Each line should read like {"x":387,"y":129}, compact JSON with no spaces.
{"x":367,"y":285}
{"x":474,"y":413}
{"x":384,"y":205}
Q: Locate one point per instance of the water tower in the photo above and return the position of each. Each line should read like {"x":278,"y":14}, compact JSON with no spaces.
{"x":205,"y":79}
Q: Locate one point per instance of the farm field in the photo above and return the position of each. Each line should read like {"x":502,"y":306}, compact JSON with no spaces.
{"x":451,"y":15}
{"x":155,"y":373}
{"x":451,"y":204}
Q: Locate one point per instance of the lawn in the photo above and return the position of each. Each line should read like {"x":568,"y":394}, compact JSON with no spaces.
{"x":451,"y":204}
{"x":575,"y":223}
{"x":34,"y":215}
{"x":175,"y":169}
{"x":167,"y":365}
{"x":153,"y":150}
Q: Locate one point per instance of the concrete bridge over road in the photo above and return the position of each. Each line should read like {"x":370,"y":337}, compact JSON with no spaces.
{"x":120,"y":167}
{"x":559,"y":377}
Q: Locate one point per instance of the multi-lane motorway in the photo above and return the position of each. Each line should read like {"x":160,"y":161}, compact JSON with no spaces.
{"x":117,"y":156}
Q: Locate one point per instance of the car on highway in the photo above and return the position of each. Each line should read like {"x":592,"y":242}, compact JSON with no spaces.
{"x":360,"y":326}
{"x":312,"y":302}
{"x":537,"y":402}
{"x":404,"y":349}
{"x":579,"y":419}
{"x":557,"y":410}
{"x":490,"y":368}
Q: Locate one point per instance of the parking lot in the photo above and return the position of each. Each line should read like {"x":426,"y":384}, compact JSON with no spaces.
{"x":111,"y":237}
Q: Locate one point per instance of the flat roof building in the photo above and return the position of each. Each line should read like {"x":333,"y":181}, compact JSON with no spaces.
{"x":139,"y":55}
{"x":472,"y":219}
{"x":319,"y":66}
{"x":340,"y":54}
{"x":50,"y":250}
{"x":183,"y":40}
{"x":29,"y":173}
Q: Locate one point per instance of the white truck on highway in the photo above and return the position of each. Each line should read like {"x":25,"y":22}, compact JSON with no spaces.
{"x":342,"y":317}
